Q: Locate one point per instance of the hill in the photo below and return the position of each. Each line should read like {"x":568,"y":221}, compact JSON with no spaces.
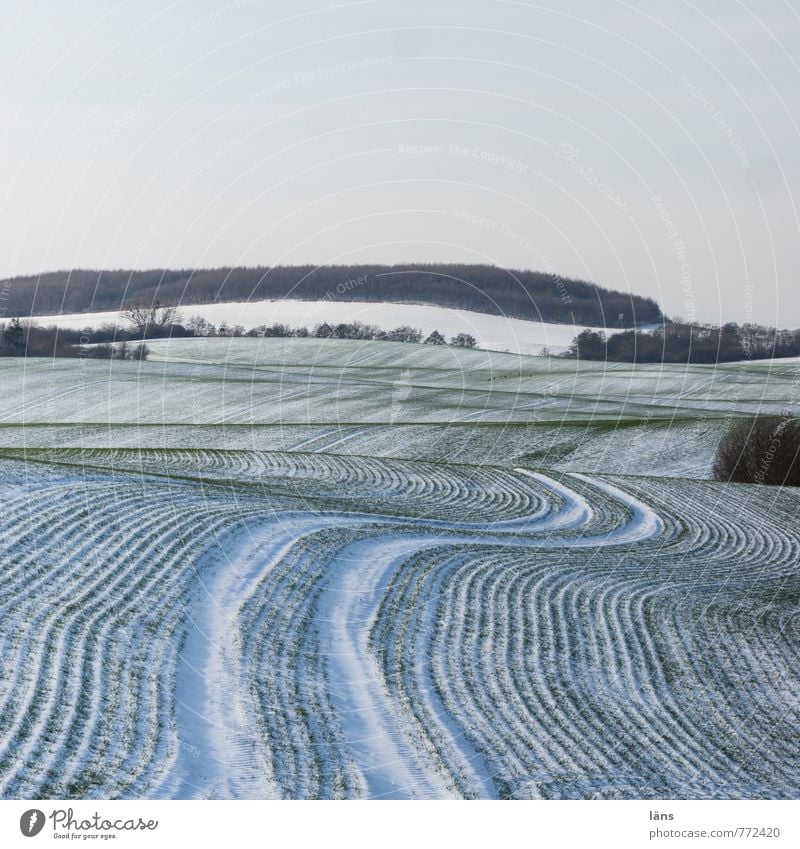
{"x":493,"y":332}
{"x":481,"y":288}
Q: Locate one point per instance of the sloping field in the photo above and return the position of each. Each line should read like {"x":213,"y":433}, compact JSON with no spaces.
{"x":460,"y":601}
{"x":391,"y":400}
{"x":493,"y":332}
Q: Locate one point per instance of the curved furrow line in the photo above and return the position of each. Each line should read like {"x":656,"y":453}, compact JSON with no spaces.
{"x":37,"y":619}
{"x":54,"y":521}
{"x":56,"y":686}
{"x":677,"y":750}
{"x":405,"y":613}
{"x":666,"y":671}
{"x":286,"y":675}
{"x":632,"y":721}
{"x":694,"y":701}
{"x":31,"y":572}
{"x":162,"y":620}
{"x":753,"y":717}
{"x":607,"y":691}
{"x":501,"y":742}
{"x":425,"y":630}
{"x":671,"y":743}
{"x":67,"y":712}
{"x":723,"y":535}
{"x":249,"y":637}
{"x":495,"y":491}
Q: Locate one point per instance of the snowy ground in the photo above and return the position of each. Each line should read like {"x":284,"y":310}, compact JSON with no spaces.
{"x":314,"y":569}
{"x":493,"y":332}
{"x":391,"y":400}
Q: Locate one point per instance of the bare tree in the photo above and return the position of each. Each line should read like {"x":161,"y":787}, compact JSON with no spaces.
{"x":201,"y":326}
{"x":152,"y":319}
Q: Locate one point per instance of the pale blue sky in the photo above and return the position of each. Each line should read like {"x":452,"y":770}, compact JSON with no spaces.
{"x":142,"y":134}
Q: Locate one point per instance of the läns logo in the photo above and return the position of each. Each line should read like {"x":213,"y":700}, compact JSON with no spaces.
{"x":31,"y":822}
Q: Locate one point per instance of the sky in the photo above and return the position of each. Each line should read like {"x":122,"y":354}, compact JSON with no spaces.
{"x":650,"y":147}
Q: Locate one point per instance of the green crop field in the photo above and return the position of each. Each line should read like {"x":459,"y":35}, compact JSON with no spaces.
{"x":300,"y":568}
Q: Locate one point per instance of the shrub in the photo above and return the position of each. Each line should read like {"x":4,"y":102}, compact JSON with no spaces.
{"x":761,"y":449}
{"x":436,"y":338}
{"x":463,"y":340}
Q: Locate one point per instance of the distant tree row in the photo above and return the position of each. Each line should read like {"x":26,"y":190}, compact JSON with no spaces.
{"x":27,"y":339}
{"x":354,"y":330}
{"x":158,"y":321}
{"x":482,"y":288}
{"x":687,"y":343}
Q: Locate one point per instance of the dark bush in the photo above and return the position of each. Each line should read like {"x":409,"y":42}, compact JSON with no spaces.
{"x":463,"y":340}
{"x":761,"y":449}
{"x":436,"y":338}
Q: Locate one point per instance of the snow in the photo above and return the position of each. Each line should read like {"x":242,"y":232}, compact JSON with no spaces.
{"x":218,"y":756}
{"x":391,"y":400}
{"x":644,"y":522}
{"x":450,"y":629}
{"x":385,"y":756}
{"x":777,"y":361}
{"x":492,"y":332}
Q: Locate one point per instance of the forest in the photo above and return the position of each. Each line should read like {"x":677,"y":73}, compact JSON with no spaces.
{"x":481,"y":288}
{"x":687,"y":343}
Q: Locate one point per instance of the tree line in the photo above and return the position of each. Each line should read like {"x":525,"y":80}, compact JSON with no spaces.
{"x":28,"y":339}
{"x":687,"y":343}
{"x":482,"y":288}
{"x":199,"y":326}
{"x":112,"y":341}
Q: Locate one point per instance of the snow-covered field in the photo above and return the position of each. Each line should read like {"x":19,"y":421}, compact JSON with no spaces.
{"x":312,"y":569}
{"x":493,"y":332}
{"x":390,"y":400}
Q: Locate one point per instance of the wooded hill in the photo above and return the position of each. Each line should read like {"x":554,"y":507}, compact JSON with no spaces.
{"x":482,"y":288}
